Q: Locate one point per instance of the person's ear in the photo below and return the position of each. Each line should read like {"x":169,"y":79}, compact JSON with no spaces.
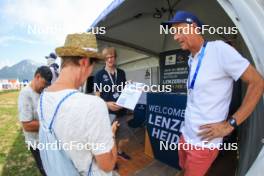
{"x":195,"y":26}
{"x":38,"y":76}
{"x":83,"y":62}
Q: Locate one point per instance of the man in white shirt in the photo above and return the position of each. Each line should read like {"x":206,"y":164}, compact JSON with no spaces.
{"x":27,"y":110}
{"x":81,"y":123}
{"x":213,"y":66}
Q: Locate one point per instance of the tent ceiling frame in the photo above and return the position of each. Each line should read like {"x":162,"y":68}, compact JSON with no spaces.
{"x":129,"y":45}
{"x":170,"y":9}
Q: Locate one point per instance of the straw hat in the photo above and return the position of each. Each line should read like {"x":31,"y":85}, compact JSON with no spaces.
{"x":83,"y":45}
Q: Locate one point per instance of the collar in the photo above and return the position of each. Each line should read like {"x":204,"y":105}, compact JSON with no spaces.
{"x":197,"y":54}
{"x":108,"y":71}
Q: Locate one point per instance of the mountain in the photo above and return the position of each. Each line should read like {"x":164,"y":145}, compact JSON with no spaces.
{"x":23,"y":70}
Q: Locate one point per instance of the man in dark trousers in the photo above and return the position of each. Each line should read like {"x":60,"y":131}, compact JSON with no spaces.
{"x":113,"y":77}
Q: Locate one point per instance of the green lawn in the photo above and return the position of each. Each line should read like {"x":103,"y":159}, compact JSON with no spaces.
{"x":15,"y":159}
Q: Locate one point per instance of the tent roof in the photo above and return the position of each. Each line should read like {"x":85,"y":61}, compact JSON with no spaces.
{"x":109,"y":9}
{"x":136,"y":23}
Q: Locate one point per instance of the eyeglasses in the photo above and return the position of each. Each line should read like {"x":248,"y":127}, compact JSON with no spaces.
{"x":110,"y":57}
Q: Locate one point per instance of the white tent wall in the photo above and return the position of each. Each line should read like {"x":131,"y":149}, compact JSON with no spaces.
{"x":250,"y":24}
{"x":136,"y":71}
{"x":146,"y":62}
{"x":251,"y":131}
{"x":130,"y":58}
{"x":257,"y":167}
{"x":134,"y":62}
{"x":139,"y":75}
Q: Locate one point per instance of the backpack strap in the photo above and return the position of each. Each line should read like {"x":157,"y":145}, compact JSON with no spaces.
{"x":57,"y":107}
{"x":90,"y":168}
{"x":55,"y":114}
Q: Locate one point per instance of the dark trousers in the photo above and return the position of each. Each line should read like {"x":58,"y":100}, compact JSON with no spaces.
{"x":36,"y":155}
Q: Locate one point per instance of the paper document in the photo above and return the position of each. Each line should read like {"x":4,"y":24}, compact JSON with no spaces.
{"x":130,"y":95}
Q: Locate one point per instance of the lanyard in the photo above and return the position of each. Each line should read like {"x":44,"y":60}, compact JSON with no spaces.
{"x":200,"y":58}
{"x":110,"y":76}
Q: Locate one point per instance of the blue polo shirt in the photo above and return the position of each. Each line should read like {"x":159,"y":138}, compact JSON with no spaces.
{"x":102,"y":78}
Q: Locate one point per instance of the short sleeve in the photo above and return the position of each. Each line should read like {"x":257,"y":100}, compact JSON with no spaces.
{"x":25,"y":107}
{"x":233,"y":63}
{"x":102,"y":137}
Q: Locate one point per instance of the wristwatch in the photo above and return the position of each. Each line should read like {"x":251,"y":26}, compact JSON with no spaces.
{"x":232,"y":122}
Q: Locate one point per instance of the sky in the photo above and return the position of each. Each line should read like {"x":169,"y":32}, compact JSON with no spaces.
{"x":31,"y":29}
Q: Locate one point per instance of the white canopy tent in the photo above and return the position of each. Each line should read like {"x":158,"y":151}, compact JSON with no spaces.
{"x":133,"y":27}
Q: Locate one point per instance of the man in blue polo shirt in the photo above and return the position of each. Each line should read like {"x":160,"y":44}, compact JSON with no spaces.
{"x":111,"y":80}
{"x":213,"y":68}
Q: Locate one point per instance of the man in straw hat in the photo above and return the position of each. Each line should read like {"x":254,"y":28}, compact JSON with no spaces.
{"x":78,"y":122}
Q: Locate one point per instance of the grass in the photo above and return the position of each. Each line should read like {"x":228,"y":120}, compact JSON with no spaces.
{"x":7,"y":91}
{"x":15,"y":159}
